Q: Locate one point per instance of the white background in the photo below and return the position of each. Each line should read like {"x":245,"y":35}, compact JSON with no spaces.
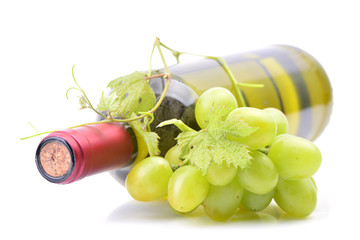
{"x":41,"y":40}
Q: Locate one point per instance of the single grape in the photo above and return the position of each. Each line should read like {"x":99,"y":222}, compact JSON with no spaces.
{"x":213,"y":97}
{"x":222,"y":202}
{"x":187,"y":188}
{"x":295,"y":157}
{"x":256,"y":202}
{"x":173,"y":155}
{"x":148,"y":179}
{"x":181,"y":213}
{"x":296,"y":197}
{"x":220,"y":175}
{"x":281,"y":122}
{"x":260,"y":119}
{"x":261,"y":177}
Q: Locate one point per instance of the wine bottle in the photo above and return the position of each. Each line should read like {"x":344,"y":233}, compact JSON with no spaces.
{"x":293,"y":81}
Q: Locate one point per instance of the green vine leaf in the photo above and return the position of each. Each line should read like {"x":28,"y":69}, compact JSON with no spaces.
{"x":129,"y":94}
{"x":203,"y":147}
{"x":109,"y":103}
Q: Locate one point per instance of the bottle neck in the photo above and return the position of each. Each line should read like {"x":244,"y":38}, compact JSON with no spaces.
{"x":72,"y":154}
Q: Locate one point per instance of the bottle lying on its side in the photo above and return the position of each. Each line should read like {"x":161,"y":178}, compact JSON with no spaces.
{"x":293,"y":81}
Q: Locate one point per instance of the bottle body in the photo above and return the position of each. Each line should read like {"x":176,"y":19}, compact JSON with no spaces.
{"x":294,"y":82}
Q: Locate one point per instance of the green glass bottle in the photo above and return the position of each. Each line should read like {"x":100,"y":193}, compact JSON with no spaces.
{"x":293,"y":81}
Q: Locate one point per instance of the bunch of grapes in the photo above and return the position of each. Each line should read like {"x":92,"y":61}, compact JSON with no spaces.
{"x":281,"y":168}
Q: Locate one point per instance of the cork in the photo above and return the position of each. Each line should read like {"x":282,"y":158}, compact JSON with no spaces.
{"x":55,"y":159}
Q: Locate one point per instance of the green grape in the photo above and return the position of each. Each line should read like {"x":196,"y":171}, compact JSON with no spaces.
{"x":181,"y":213}
{"x":295,"y":157}
{"x":222,"y":202}
{"x":261,"y":177}
{"x":313,"y":181}
{"x":256,"y":202}
{"x":220,"y":175}
{"x":148,"y":179}
{"x":296,"y":197}
{"x":281,"y":122}
{"x":254,"y":117}
{"x":187,"y":188}
{"x":213,"y":97}
{"x":173,"y":155}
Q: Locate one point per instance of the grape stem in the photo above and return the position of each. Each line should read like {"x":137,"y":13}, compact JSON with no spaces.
{"x":176,"y":166}
{"x":80,"y":125}
{"x":84,"y":94}
{"x":226,"y":68}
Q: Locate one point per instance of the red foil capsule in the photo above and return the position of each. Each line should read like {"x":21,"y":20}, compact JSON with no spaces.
{"x":72,"y":154}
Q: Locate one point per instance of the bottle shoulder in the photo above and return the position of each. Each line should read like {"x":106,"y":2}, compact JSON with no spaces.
{"x":179,"y":103}
{"x":178,"y":90}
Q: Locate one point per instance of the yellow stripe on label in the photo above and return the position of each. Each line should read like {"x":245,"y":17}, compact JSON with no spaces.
{"x":287,"y":92}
